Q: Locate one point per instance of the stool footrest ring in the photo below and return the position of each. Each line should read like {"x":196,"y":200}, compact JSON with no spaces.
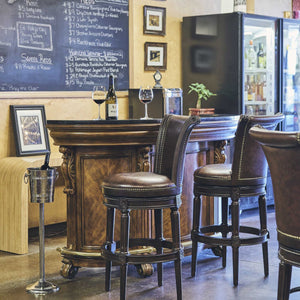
{"x":118,"y":257}
{"x":202,"y":237}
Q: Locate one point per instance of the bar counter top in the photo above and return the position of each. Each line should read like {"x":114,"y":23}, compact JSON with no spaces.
{"x":133,"y":131}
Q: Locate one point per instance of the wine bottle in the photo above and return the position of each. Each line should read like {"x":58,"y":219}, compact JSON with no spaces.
{"x":261,"y":57}
{"x":252,"y":55}
{"x":111,"y":102}
{"x":45,"y":166}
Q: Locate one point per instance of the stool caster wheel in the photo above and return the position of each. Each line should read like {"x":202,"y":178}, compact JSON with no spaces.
{"x":217,"y":250}
{"x":144,"y":270}
{"x":68,"y":271}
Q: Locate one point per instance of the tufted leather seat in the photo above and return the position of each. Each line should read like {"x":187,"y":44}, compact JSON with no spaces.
{"x":246,"y":176}
{"x":282,"y":150}
{"x":140,"y":183}
{"x":149,"y":190}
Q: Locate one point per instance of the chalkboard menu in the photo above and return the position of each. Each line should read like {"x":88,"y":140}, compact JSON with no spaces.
{"x":55,"y":45}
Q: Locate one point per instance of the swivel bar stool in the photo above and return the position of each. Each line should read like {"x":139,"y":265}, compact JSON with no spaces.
{"x":246,"y":176}
{"x":149,"y":190}
{"x":282,"y":150}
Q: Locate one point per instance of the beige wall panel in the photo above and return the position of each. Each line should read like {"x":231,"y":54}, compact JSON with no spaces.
{"x":274,"y":8}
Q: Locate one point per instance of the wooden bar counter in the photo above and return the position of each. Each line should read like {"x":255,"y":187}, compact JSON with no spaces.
{"x":92,"y":150}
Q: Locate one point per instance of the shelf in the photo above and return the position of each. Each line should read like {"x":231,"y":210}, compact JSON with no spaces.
{"x":256,"y":103}
{"x":256,"y":70}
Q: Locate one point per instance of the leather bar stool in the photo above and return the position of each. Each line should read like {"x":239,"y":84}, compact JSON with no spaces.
{"x":282,"y":150}
{"x":246,"y":176}
{"x":155,"y":190}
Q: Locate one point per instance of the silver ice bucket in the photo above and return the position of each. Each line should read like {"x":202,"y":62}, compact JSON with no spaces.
{"x":41,"y":184}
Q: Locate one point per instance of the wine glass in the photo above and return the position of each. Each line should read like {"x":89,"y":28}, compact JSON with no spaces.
{"x":99,"y":96}
{"x":146,"y":96}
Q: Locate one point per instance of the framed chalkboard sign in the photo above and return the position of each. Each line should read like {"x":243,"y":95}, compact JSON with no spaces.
{"x":56,"y":45}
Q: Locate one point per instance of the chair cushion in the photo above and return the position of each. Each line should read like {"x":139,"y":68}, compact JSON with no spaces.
{"x":138,"y":184}
{"x":221,"y":175}
{"x":214,"y":174}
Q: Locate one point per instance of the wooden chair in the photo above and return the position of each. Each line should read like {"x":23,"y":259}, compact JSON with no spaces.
{"x":246,"y":176}
{"x":155,"y":190}
{"x":282,"y":150}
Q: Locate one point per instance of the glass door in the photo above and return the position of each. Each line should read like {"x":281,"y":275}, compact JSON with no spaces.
{"x":259,"y":66}
{"x":291,"y":75}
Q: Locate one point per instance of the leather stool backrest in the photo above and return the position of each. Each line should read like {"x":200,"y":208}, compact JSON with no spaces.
{"x":248,"y":160}
{"x":171,"y":145}
{"x":282,"y":150}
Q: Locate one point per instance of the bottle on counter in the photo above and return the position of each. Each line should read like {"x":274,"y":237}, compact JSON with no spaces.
{"x":111,"y":102}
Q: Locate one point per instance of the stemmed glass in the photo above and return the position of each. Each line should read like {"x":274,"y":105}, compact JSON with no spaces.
{"x":146,"y":96}
{"x":99,"y":96}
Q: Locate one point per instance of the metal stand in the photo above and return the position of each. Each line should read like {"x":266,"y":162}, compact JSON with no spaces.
{"x":42,"y":183}
{"x":42,"y":286}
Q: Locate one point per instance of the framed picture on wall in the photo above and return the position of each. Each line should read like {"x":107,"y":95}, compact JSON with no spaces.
{"x":154,"y":20}
{"x":31,"y":136}
{"x":155,"y":56}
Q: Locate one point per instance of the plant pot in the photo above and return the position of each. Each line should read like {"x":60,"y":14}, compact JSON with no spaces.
{"x":201,"y":111}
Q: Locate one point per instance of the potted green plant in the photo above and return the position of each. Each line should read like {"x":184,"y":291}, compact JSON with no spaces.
{"x":203,"y":93}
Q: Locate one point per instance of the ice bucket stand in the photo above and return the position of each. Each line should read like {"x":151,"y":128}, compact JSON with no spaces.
{"x":41,"y":191}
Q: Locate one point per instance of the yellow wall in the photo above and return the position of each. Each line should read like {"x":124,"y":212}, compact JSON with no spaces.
{"x":175,"y":10}
{"x":171,"y":77}
{"x":58,"y":106}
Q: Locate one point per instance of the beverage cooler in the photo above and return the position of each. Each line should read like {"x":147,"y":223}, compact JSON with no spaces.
{"x":290,"y":73}
{"x":236,"y":56}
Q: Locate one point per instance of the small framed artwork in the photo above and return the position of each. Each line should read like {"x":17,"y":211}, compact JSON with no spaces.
{"x":155,"y":56}
{"x":173,"y":101}
{"x":154,"y":20}
{"x":30,"y":130}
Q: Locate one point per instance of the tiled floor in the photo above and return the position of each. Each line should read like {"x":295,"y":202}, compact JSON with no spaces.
{"x":211,"y":283}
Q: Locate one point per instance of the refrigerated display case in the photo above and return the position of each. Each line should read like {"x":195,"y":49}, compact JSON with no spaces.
{"x":290,"y":75}
{"x":234,"y":55}
{"x":259,"y":66}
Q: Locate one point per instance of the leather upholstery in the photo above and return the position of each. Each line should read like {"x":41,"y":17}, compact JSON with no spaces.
{"x":149,"y":190}
{"x":249,"y":167}
{"x":282,"y":150}
{"x":246,"y":176}
{"x":166,"y":179}
{"x":139,"y":184}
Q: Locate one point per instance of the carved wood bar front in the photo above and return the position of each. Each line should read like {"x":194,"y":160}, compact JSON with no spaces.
{"x":92,"y":150}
